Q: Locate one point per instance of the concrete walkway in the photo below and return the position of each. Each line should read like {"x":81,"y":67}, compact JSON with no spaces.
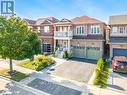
{"x":117,"y":81}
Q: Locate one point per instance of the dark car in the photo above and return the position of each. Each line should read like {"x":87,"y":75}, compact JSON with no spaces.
{"x":119,"y":64}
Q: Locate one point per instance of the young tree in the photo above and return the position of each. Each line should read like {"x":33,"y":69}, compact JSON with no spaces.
{"x":17,"y":41}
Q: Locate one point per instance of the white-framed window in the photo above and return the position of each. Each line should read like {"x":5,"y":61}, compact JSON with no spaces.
{"x":121,"y":30}
{"x":114,"y":30}
{"x":38,"y":29}
{"x":95,"y":29}
{"x":80,"y":30}
{"x":126,"y":29}
{"x":65,"y":29}
{"x":46,"y":28}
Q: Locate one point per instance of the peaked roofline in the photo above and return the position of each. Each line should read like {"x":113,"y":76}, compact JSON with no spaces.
{"x":117,"y":19}
{"x":86,"y":20}
{"x":29,"y":21}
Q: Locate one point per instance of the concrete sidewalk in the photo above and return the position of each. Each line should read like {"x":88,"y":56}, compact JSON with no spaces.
{"x":10,"y":87}
{"x":96,"y":90}
{"x":5,"y":64}
{"x":57,"y":80}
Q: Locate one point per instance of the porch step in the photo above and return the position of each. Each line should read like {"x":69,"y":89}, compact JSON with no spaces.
{"x":59,"y":54}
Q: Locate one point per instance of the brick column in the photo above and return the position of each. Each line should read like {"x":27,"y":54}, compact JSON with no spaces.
{"x":54,"y":44}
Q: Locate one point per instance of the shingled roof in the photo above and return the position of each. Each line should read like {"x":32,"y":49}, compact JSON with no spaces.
{"x":49,"y":19}
{"x":64,"y":21}
{"x":30,"y":22}
{"x":85,"y":20}
{"x":118,"y":19}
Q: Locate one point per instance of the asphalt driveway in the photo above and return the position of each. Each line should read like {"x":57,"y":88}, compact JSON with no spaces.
{"x":75,"y":70}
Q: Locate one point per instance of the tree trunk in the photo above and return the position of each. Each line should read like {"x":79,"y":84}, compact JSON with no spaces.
{"x":32,"y":58}
{"x":11,"y":66}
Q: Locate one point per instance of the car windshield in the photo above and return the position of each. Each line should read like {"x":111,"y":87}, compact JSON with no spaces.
{"x":122,"y":63}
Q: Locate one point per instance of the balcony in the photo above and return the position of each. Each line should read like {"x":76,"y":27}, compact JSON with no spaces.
{"x":63,"y":35}
{"x":43,"y":34}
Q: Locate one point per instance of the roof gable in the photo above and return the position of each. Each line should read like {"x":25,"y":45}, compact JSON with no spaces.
{"x":64,"y":21}
{"x":85,"y":20}
{"x":118,"y":19}
{"x":48,"y":20}
{"x":30,"y":22}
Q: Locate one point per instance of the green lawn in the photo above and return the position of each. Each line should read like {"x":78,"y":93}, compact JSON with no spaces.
{"x":38,"y":63}
{"x":17,"y":76}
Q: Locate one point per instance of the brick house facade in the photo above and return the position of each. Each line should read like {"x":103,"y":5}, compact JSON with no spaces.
{"x":83,"y":36}
{"x":117,"y":35}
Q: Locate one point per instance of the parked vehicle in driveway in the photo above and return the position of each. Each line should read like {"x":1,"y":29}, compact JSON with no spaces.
{"x":119,"y":64}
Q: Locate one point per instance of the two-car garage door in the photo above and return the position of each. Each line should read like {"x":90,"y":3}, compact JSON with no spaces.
{"x":89,"y":52}
{"x":79,"y":52}
{"x":93,"y":53}
{"x":119,"y":52}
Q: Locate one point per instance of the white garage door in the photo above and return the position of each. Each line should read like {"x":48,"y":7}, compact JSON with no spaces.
{"x":93,"y":53}
{"x":79,"y":52}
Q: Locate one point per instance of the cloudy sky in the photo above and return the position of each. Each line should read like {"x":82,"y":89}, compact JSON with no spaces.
{"x":100,"y":9}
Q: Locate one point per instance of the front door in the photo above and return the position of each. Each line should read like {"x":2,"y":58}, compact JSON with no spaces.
{"x":65,"y":45}
{"x":46,"y":48}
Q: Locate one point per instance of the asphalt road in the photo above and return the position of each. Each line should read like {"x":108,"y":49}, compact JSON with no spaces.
{"x":52,"y":88}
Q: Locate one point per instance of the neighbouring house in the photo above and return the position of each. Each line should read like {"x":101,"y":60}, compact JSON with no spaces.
{"x":117,"y":35}
{"x":47,"y":33}
{"x":31,"y":24}
{"x":45,"y":27}
{"x":83,"y":36}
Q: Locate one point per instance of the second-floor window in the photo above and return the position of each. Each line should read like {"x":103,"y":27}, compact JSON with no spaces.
{"x":46,"y":28}
{"x":38,"y":29}
{"x":80,"y":30}
{"x":126,"y":30}
{"x":95,"y":29}
{"x":114,"y":30}
{"x":119,"y":30}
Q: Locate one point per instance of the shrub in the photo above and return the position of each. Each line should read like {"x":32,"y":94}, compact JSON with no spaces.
{"x":101,"y":71}
{"x":45,"y":63}
{"x":45,"y":54}
{"x":40,"y":66}
{"x":39,"y":63}
{"x":100,"y":64}
{"x":67,"y":55}
{"x":70,"y":55}
{"x":98,"y":70}
{"x":40,"y":59}
{"x":51,"y":61}
{"x":96,"y":79}
{"x":104,"y":76}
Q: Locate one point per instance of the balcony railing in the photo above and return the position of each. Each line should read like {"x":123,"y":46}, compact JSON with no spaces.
{"x":63,"y":34}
